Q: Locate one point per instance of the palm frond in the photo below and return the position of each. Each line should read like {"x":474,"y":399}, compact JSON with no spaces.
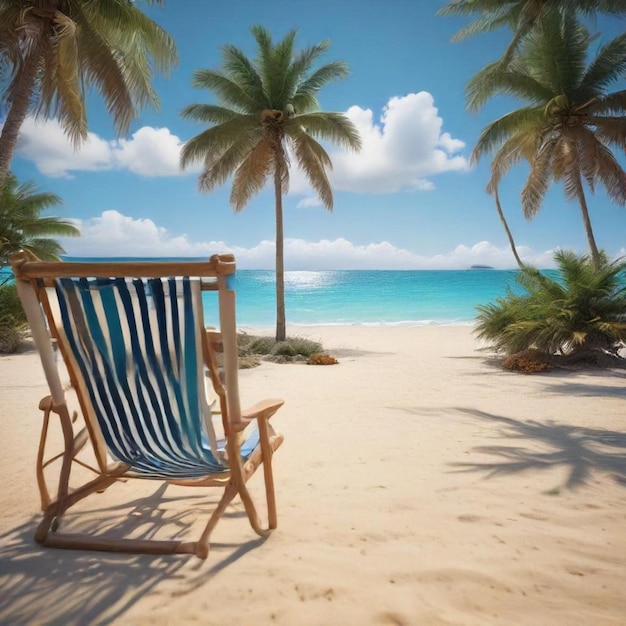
{"x":220,"y":167}
{"x":129,"y":30}
{"x":23,"y":227}
{"x":314,"y":160}
{"x":211,"y":113}
{"x":606,"y":68}
{"x":335,"y":127}
{"x":241,"y":71}
{"x":60,"y":94}
{"x":304,"y":60}
{"x":590,"y":7}
{"x":251,"y":173}
{"x":538,"y":181}
{"x":609,"y":130}
{"x":336,"y":70}
{"x":609,"y":104}
{"x":496,"y":79}
{"x":608,"y":171}
{"x":520,"y":146}
{"x":120,"y":47}
{"x":554,"y":53}
{"x":274,"y":64}
{"x":488,"y":22}
{"x":228,"y":92}
{"x":211,"y":143}
{"x":100,"y":66}
{"x":521,"y":125}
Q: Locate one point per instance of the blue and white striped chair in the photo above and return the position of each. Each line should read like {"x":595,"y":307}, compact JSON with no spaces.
{"x":133,"y":341}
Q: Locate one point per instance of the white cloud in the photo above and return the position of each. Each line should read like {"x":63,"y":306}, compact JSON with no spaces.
{"x":115,"y":234}
{"x":149,"y":152}
{"x":402,"y":150}
{"x":45,"y":143}
{"x":309,"y":201}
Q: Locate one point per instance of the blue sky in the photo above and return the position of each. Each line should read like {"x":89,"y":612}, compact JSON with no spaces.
{"x":408,"y":200}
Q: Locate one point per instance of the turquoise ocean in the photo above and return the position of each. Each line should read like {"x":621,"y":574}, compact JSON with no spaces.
{"x":366,"y":297}
{"x":377,"y":297}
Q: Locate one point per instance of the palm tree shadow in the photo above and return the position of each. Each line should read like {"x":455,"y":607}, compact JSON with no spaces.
{"x":581,"y":451}
{"x":576,"y":389}
{"x":45,"y":585}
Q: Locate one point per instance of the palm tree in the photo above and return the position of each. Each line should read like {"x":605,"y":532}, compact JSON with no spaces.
{"x":521,"y":16}
{"x":268,"y":114}
{"x":58,"y":49}
{"x":23,"y":228}
{"x":570,"y":124}
{"x":581,"y":313}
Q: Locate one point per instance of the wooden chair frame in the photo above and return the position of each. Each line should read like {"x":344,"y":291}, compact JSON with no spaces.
{"x":34,"y":279}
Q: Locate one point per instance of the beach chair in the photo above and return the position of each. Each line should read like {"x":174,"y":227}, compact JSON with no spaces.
{"x":144,"y":370}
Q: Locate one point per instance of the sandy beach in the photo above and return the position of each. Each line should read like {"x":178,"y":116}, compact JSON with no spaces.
{"x":418,"y":484}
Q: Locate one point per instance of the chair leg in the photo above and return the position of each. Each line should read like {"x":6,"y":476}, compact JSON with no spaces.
{"x":254,"y":461}
{"x":267,"y":450}
{"x":54,"y":511}
{"x":46,"y":406}
{"x":230,"y":491}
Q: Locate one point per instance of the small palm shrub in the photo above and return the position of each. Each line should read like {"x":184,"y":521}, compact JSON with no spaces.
{"x":10,"y":303}
{"x":13,"y":324}
{"x":581,"y":314}
{"x":11,"y":333}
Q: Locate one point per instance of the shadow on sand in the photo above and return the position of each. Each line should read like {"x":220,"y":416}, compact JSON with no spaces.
{"x":44,"y":585}
{"x":581,"y":451}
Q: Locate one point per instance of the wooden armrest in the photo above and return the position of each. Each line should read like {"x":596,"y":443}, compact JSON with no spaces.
{"x":264,"y":408}
{"x":261,"y":410}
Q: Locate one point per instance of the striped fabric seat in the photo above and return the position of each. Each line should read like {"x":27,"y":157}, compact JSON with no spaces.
{"x":136,"y":342}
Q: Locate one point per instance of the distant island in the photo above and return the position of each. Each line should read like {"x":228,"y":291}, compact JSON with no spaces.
{"x":481,"y":267}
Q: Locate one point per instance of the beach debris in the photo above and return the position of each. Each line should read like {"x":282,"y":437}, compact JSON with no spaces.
{"x":320,"y":358}
{"x":528,"y":361}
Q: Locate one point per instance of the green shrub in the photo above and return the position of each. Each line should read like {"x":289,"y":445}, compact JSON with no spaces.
{"x":10,"y":303}
{"x":11,"y":333}
{"x":582,"y":312}
{"x":268,"y":346}
{"x":296,"y":346}
{"x":261,"y":345}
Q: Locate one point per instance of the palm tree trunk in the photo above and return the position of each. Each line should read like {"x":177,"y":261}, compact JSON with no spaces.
{"x":281,"y":330}
{"x":506,"y":229}
{"x":20,"y":104}
{"x":593,"y":248}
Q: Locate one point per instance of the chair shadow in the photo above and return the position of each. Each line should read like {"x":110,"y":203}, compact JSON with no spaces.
{"x":46,"y":585}
{"x":581,"y":451}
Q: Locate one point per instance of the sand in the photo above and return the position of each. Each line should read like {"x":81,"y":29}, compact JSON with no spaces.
{"x":418,"y":484}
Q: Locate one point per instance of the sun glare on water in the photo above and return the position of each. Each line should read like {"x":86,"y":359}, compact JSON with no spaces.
{"x":308,"y":279}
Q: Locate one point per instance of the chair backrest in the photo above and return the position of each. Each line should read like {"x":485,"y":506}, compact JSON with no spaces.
{"x":133,"y":339}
